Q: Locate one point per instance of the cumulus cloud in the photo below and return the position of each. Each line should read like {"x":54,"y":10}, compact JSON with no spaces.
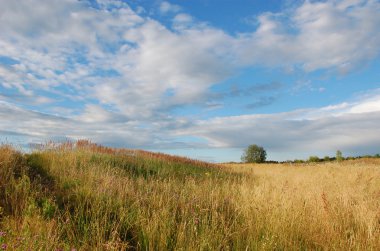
{"x":337,"y":34}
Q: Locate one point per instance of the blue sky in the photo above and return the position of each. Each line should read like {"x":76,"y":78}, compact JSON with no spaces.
{"x":200,"y":78}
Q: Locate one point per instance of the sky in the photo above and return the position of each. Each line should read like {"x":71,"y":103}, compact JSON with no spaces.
{"x":200,"y":78}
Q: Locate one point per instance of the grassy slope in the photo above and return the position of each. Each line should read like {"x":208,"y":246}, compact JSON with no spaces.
{"x":97,"y":198}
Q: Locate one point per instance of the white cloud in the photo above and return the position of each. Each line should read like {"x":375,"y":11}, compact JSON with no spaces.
{"x":183,"y":18}
{"x":183,"y":64}
{"x":95,"y":114}
{"x":182,"y":21}
{"x":166,"y":7}
{"x":337,"y":35}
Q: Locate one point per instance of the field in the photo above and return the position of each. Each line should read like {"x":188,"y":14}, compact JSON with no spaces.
{"x":87,"y":197}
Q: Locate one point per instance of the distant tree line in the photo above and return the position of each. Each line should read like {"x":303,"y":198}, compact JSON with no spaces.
{"x":338,"y":157}
{"x":314,"y":159}
{"x":257,"y":154}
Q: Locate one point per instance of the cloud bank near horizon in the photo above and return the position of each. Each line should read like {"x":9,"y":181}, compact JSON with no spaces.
{"x":350,"y":126}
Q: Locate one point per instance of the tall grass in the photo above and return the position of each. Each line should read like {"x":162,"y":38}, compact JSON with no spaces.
{"x":87,"y":197}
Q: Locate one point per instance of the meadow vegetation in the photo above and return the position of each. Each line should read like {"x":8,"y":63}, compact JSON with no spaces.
{"x":86,"y":197}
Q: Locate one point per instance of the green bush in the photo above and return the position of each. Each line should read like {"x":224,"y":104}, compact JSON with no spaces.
{"x":314,"y":159}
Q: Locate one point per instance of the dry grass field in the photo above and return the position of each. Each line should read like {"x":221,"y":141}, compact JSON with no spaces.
{"x":325,"y":206}
{"x":94,"y":198}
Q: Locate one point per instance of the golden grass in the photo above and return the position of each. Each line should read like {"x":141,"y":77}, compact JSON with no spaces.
{"x":319,"y":206}
{"x":92,"y":198}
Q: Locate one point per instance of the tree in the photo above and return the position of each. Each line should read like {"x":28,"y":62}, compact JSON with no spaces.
{"x":314,"y":159}
{"x":339,"y":156}
{"x":254,"y":154}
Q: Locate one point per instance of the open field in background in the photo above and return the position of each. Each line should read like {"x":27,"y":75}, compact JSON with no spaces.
{"x":96,"y":198}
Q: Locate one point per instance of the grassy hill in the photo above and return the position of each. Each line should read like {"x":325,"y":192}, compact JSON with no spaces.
{"x":87,"y":197}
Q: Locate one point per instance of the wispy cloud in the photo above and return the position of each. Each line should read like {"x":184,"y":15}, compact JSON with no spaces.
{"x":236,"y":90}
{"x":166,"y":7}
{"x":262,"y":101}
